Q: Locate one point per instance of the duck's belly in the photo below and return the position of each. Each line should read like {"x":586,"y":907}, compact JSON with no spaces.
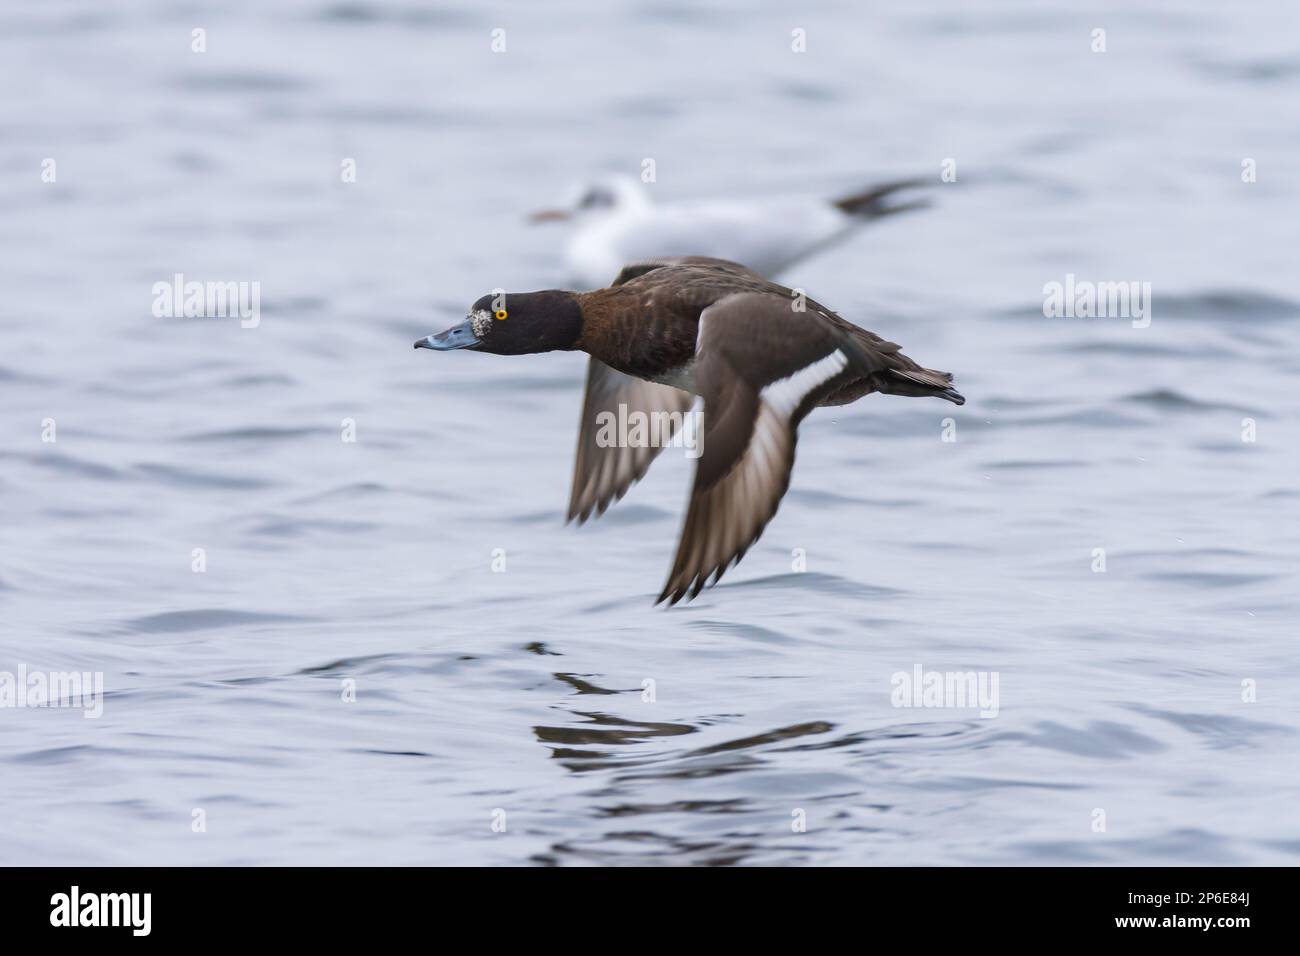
{"x":682,"y":377}
{"x":849,"y":392}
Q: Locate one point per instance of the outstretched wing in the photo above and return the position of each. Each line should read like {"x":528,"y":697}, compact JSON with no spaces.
{"x":603,"y":472}
{"x":760,"y":368}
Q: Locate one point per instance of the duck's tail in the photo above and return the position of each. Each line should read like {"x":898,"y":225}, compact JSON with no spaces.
{"x":919,"y":382}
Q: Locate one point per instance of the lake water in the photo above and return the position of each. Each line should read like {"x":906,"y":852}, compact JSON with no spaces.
{"x":547,"y":713}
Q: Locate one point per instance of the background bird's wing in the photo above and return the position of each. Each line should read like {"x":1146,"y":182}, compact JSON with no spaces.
{"x":603,"y":472}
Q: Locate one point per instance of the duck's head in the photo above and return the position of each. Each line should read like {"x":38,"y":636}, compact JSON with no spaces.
{"x":517,"y":323}
{"x":606,"y":196}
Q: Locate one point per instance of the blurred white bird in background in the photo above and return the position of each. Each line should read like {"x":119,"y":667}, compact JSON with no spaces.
{"x":615,"y":222}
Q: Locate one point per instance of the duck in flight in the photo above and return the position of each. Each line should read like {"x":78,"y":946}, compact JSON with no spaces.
{"x":615,"y":222}
{"x":758,"y":355}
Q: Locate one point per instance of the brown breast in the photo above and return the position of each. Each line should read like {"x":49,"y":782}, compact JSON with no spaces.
{"x":642,"y":330}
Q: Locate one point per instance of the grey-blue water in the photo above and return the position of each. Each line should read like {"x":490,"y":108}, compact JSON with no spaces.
{"x":1147,"y":713}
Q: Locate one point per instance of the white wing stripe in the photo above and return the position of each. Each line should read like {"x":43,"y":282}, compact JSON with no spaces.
{"x":783,"y":396}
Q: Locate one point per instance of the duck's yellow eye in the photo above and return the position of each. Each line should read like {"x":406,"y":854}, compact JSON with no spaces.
{"x":501,"y":314}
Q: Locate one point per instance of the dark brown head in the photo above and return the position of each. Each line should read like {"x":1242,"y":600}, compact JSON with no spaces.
{"x":518,"y":323}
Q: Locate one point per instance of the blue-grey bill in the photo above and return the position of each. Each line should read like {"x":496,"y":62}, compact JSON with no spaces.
{"x":457,"y":337}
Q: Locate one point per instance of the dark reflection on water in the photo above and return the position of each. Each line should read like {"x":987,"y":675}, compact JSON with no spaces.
{"x":607,"y":730}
